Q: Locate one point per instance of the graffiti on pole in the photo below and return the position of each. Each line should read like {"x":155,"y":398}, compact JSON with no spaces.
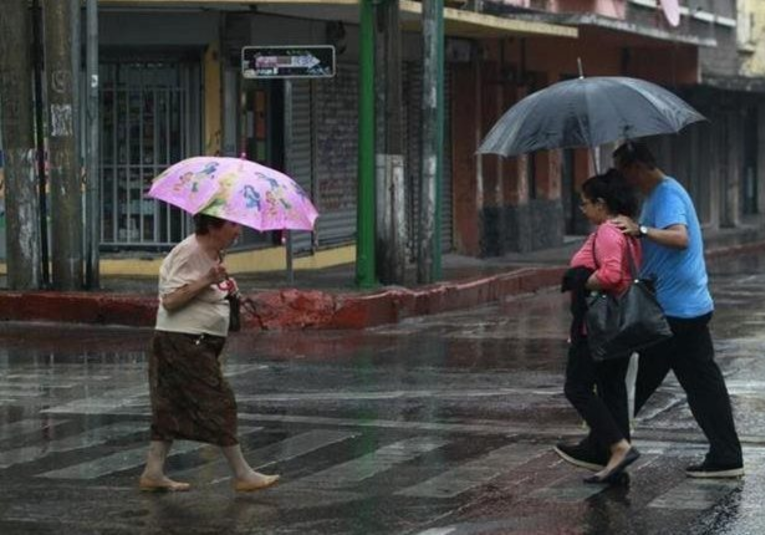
{"x":61,"y":120}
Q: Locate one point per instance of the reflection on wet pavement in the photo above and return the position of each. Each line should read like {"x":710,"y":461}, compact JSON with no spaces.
{"x":439,"y":425}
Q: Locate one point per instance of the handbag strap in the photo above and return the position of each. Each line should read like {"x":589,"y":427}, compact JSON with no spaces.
{"x":630,"y":259}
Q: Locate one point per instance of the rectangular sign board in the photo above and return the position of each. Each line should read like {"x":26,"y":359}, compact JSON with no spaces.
{"x":276,"y":62}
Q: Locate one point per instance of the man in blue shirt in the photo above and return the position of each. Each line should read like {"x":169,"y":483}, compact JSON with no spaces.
{"x":673,"y":256}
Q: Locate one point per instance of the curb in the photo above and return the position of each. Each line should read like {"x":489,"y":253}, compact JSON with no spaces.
{"x":287,"y":309}
{"x":293,"y":309}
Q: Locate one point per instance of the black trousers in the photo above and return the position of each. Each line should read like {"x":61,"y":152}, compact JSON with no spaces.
{"x":690,"y":355}
{"x":605,"y":410}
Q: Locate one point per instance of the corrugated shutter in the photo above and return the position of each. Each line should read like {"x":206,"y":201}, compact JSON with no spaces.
{"x":335,"y":111}
{"x":300,"y":160}
{"x":447,"y":202}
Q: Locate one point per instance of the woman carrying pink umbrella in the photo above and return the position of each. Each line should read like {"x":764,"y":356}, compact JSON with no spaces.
{"x":190,"y":397}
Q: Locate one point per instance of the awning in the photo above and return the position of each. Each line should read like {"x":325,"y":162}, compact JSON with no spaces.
{"x":457,"y":22}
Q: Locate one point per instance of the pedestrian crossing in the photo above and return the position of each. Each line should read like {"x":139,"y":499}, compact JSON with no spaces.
{"x":346,"y":460}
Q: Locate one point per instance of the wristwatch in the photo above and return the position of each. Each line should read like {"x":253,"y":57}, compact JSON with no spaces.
{"x":642,"y":231}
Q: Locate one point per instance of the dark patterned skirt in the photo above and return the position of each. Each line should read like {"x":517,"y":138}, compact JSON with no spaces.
{"x":190,"y":398}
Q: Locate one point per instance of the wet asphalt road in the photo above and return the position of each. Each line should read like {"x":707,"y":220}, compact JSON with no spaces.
{"x":437,"y":426}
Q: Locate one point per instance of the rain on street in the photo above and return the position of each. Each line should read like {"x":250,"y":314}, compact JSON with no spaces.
{"x":441,"y":425}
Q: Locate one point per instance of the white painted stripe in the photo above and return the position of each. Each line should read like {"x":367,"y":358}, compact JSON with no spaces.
{"x":371,"y":464}
{"x":9,"y":393}
{"x":568,"y":493}
{"x":475,"y":473}
{"x":22,"y":427}
{"x":103,"y":404}
{"x":92,"y":437}
{"x":400,"y":394}
{"x":118,"y":462}
{"x":44,"y":379}
{"x":498,"y":428}
{"x":36,"y":386}
{"x":284,"y":450}
{"x":695,"y":494}
{"x":438,"y":531}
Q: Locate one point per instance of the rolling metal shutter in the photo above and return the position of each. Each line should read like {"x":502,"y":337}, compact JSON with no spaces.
{"x":335,"y":112}
{"x":300,"y":160}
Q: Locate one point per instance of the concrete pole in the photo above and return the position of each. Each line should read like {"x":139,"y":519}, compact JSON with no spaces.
{"x":429,"y":243}
{"x":65,"y":183}
{"x":21,"y":202}
{"x":365,"y":228}
{"x":42,"y":188}
{"x":93,"y":160}
{"x":391,"y":191}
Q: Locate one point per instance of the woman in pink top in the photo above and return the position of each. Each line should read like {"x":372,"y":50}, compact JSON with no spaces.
{"x":602,"y":264}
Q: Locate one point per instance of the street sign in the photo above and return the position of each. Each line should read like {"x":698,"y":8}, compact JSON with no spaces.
{"x":277,"y":62}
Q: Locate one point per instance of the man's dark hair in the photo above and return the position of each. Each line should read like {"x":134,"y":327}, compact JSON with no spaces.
{"x":619,"y":196}
{"x":633,"y":152}
{"x":203,"y":223}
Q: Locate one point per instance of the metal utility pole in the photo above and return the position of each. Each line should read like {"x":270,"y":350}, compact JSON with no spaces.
{"x":65,"y":183}
{"x":391,"y":190}
{"x":365,"y":229}
{"x":429,"y":243}
{"x":21,"y":206}
{"x":93,"y":215}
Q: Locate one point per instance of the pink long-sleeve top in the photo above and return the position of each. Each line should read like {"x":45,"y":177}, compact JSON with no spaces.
{"x":612,"y":268}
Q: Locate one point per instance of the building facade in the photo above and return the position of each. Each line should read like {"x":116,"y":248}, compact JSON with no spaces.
{"x":171,"y":87}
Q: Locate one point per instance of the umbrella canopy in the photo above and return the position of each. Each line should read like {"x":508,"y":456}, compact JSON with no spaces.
{"x":587,"y":112}
{"x":236,"y":190}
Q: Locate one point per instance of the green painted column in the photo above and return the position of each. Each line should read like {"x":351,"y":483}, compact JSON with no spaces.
{"x":365,"y":230}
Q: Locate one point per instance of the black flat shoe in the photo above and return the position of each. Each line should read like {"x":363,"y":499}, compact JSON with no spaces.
{"x":613,"y":475}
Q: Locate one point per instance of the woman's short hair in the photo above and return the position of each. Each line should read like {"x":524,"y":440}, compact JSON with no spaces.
{"x":203,"y":223}
{"x":613,"y":189}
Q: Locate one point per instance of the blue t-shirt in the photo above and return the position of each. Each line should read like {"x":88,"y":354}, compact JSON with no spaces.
{"x":680,"y":275}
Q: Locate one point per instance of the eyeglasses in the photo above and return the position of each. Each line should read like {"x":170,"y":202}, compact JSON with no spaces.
{"x":587,"y":202}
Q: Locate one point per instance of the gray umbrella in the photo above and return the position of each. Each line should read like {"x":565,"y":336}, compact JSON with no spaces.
{"x":588,"y":112}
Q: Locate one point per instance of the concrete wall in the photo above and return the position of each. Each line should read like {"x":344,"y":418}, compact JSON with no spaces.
{"x":751,"y":37}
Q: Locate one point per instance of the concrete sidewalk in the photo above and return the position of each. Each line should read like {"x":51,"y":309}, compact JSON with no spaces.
{"x":327,"y":299}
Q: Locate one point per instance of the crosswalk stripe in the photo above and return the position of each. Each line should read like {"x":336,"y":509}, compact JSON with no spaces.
{"x":9,"y":393}
{"x":567,"y":492}
{"x":371,"y":464}
{"x":92,"y":437}
{"x":123,"y":460}
{"x":22,"y":427}
{"x":284,"y":450}
{"x":695,"y":494}
{"x":30,"y":385}
{"x":475,"y":473}
{"x":104,"y":404}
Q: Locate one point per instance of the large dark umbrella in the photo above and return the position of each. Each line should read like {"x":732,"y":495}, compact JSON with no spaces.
{"x":587,"y":112}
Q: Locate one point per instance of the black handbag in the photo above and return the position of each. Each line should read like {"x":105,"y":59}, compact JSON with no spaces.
{"x":617,"y":326}
{"x":234,"y":318}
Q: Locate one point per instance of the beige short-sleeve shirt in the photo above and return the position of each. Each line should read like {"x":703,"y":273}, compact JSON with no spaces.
{"x":208,"y":312}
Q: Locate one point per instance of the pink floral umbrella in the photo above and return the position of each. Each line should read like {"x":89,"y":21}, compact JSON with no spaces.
{"x":237,"y":190}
